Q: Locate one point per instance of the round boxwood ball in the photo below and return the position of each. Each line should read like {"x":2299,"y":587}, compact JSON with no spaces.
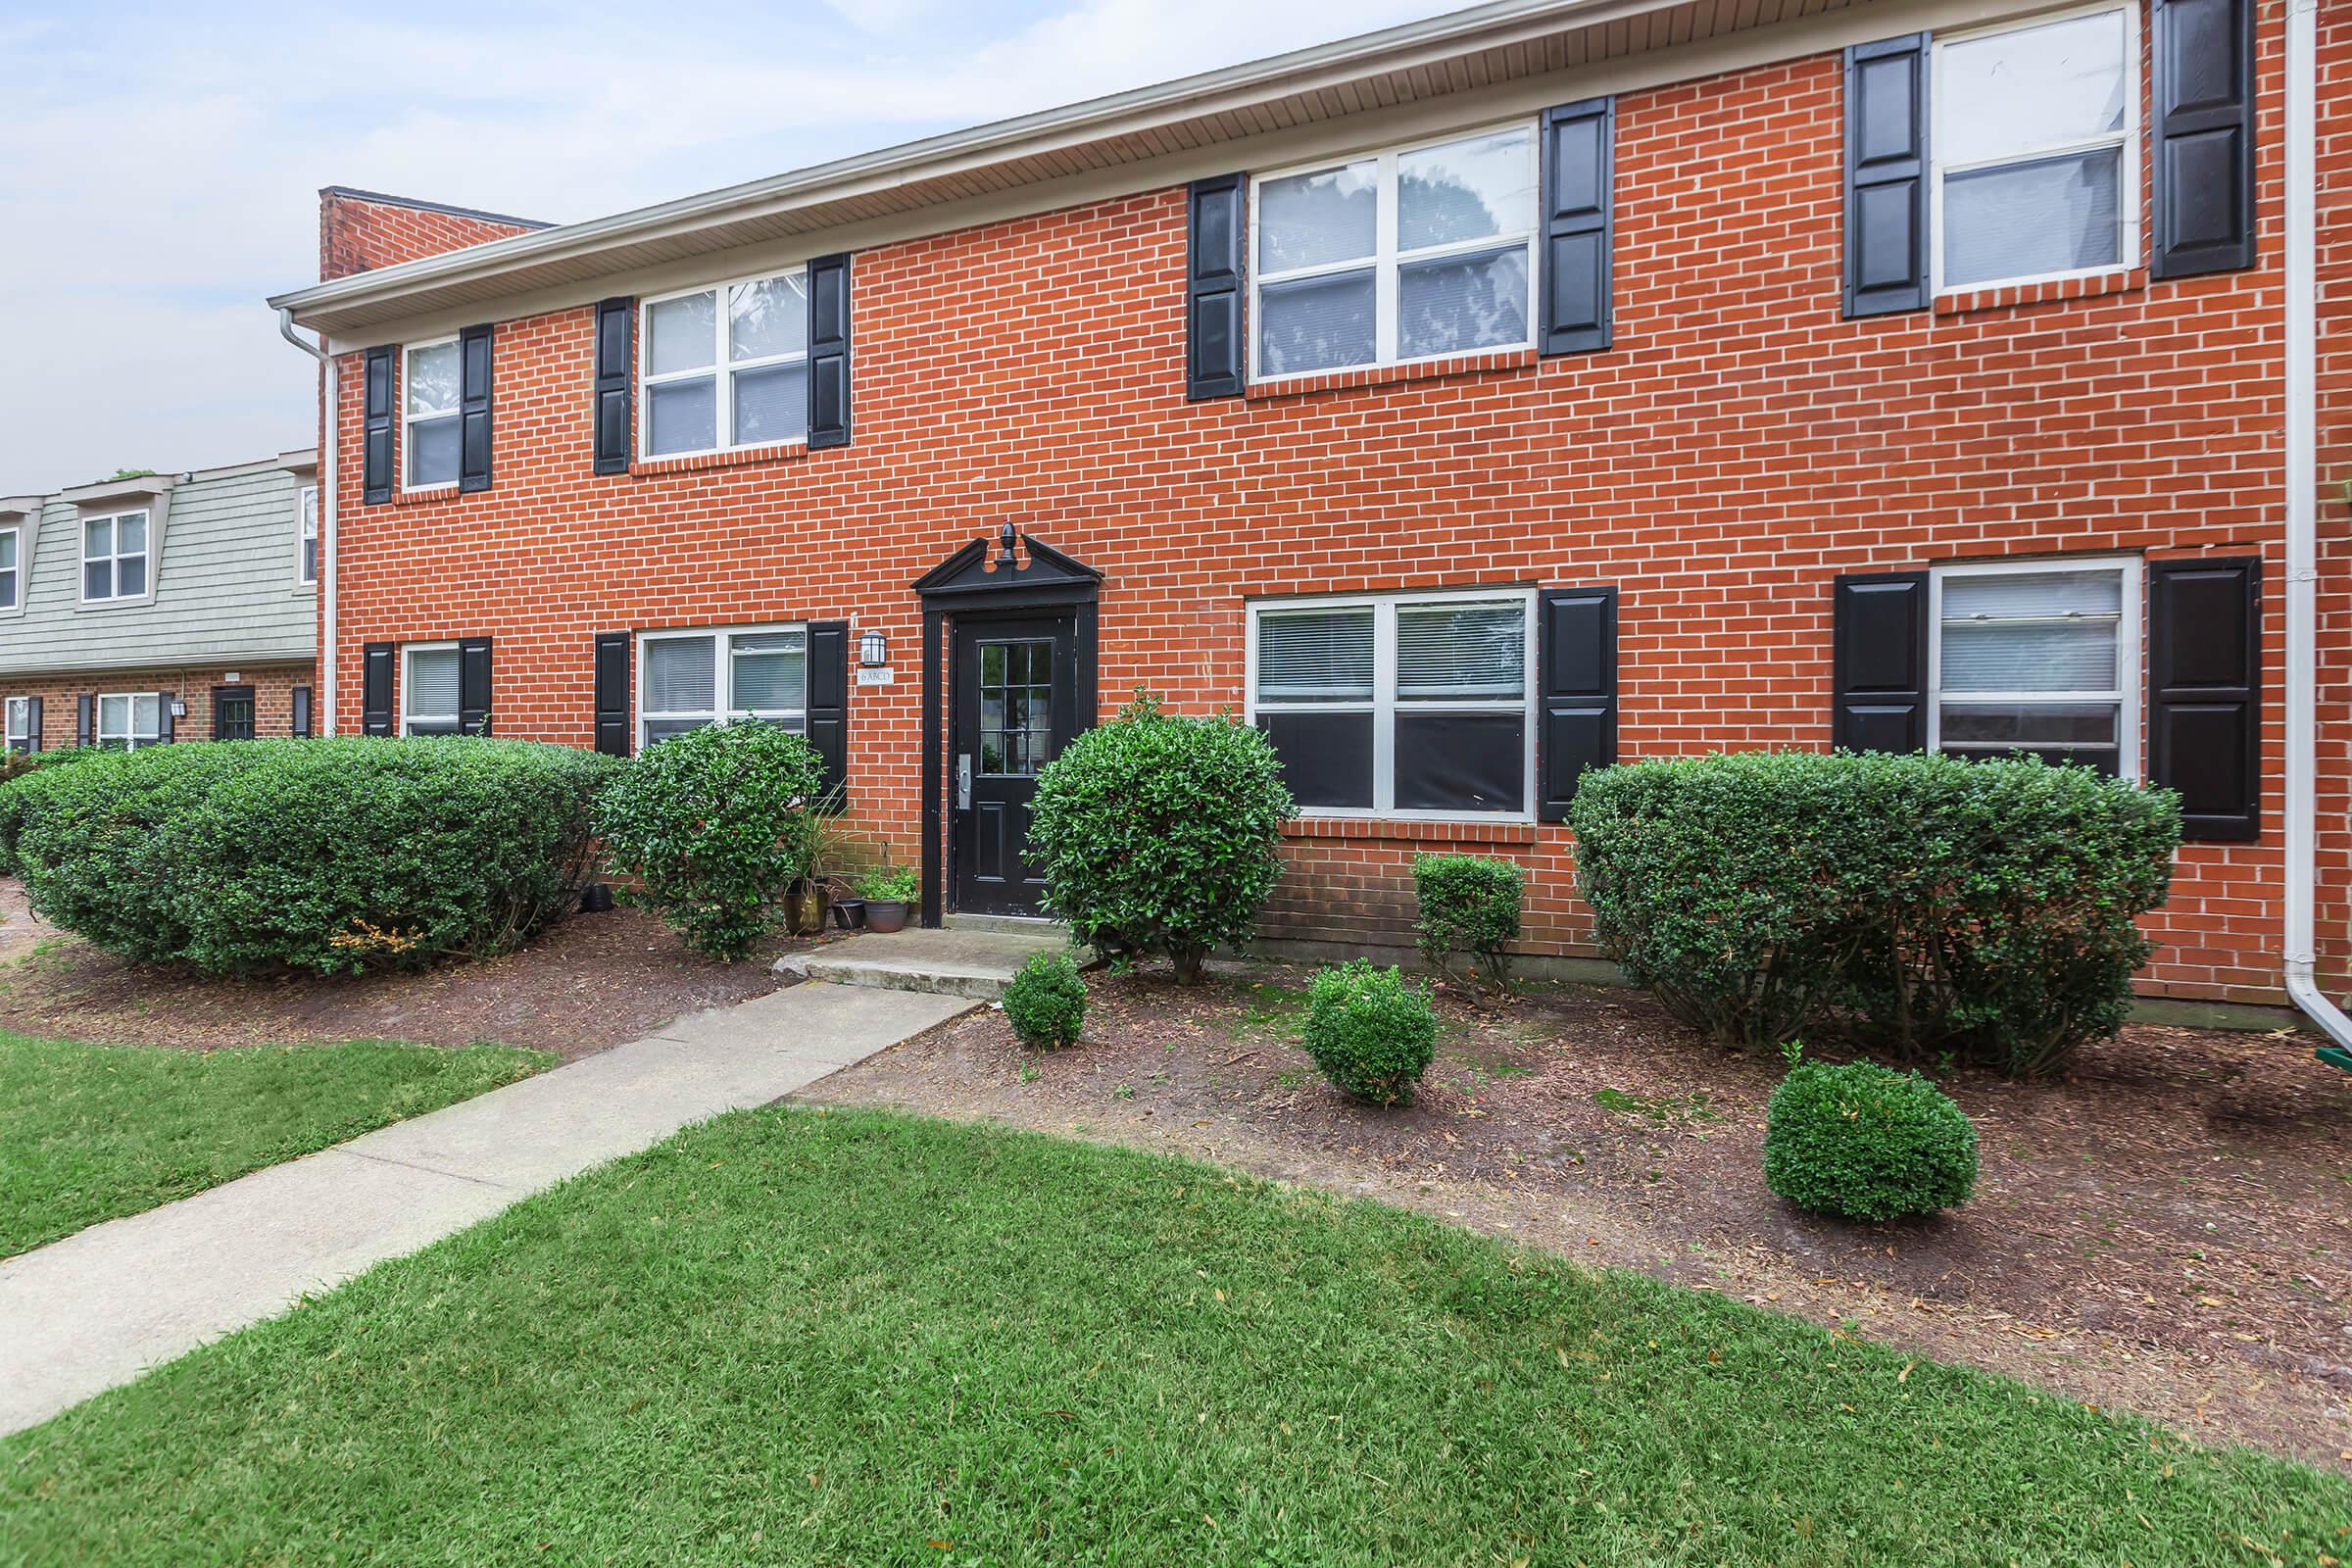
{"x":1046,"y":1002}
{"x":1370,"y":1032}
{"x":1863,"y":1142}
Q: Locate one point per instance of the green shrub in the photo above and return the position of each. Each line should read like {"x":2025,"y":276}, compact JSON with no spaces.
{"x":713,"y":824}
{"x":327,"y":855}
{"x":1469,"y":904}
{"x":15,"y":765}
{"x":1045,"y":1004}
{"x":1371,"y":1033}
{"x":1928,"y":905}
{"x":1160,"y":833}
{"x":1863,"y":1142}
{"x":890,"y":884}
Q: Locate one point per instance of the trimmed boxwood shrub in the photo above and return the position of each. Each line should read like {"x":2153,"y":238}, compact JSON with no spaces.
{"x":1864,"y":1141}
{"x":713,"y":825}
{"x":1371,"y":1033}
{"x":1469,"y":904}
{"x":326,"y":854}
{"x":15,"y":765}
{"x":1925,"y":905}
{"x":1158,"y":833}
{"x":1046,"y":1002}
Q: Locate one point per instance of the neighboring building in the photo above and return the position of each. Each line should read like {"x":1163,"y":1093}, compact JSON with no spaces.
{"x":162,"y":608}
{"x":1467,"y":405}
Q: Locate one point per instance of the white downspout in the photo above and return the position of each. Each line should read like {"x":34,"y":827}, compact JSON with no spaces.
{"x":2302,"y":519}
{"x":332,"y":410}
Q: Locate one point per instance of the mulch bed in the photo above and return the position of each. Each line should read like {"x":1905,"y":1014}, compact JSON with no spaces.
{"x":2165,"y":1229}
{"x":585,"y":984}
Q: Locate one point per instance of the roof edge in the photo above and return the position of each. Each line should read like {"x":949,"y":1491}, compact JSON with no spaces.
{"x":418,"y":204}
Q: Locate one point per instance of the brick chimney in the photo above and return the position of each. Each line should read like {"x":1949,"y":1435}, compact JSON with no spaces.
{"x":359,"y":230}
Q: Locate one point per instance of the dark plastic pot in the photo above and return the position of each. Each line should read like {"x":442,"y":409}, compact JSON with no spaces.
{"x":885,"y":914}
{"x":596,"y":898}
{"x":848,"y":915}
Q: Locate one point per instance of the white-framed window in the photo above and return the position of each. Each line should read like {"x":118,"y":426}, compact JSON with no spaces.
{"x":686,"y":679}
{"x":306,"y":507}
{"x":428,"y":689}
{"x":1411,"y":254}
{"x":430,"y":433}
{"x":12,"y":576}
{"x":2035,"y":147}
{"x":114,"y":556}
{"x":129,"y":721}
{"x":1415,"y":704}
{"x":725,"y":367}
{"x":2036,"y":656}
{"x":20,"y":724}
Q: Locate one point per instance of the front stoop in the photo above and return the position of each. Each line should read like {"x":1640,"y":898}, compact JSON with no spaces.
{"x":955,"y":961}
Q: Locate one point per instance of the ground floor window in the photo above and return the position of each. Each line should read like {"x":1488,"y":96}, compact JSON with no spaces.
{"x":2038,"y":657}
{"x":20,"y":724}
{"x":1407,"y":705}
{"x":686,"y":679}
{"x":127,"y":720}
{"x":428,"y":689}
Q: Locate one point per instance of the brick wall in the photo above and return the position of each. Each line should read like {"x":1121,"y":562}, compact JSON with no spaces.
{"x":1738,"y":446}
{"x":273,"y":693}
{"x":358,"y":233}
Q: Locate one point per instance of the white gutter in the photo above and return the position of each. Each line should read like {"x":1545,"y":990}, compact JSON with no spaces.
{"x":2302,"y":519}
{"x":331,"y":407}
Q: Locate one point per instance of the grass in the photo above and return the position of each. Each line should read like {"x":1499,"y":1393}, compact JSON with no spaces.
{"x":793,"y":1337}
{"x":89,"y":1133}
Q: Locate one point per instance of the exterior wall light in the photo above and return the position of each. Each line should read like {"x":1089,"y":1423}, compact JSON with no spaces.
{"x":873,"y":650}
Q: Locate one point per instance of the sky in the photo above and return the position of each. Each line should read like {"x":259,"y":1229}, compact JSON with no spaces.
{"x":160,"y":163}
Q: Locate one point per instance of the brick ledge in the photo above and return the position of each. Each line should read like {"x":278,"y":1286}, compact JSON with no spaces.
{"x":2012,"y":295}
{"x":766,"y":452}
{"x":1387,"y":374}
{"x":1394,"y":831}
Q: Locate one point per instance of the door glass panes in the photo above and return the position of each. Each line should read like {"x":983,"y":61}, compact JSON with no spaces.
{"x":1315,"y":656}
{"x":233,"y":718}
{"x":1017,"y":707}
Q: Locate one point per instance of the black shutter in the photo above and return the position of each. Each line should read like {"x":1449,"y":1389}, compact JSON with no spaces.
{"x":32,"y":724}
{"x":301,"y":726}
{"x":2203,"y":187}
{"x":829,"y":704}
{"x":613,"y":692}
{"x":1214,"y":267}
{"x":375,"y":447}
{"x":1579,"y":161}
{"x":1886,"y":175}
{"x":163,"y":716}
{"x":615,"y":338}
{"x":1879,"y":654}
{"x":473,"y":409}
{"x":474,"y":714}
{"x":2205,"y":692}
{"x":85,"y":720}
{"x":375,"y":689}
{"x":1576,"y":651}
{"x":829,"y":352}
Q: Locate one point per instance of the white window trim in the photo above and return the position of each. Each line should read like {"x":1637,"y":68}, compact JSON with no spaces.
{"x":1385,"y":256}
{"x":2129,"y":239}
{"x":2130,"y":652}
{"x":305,"y":531}
{"x":81,"y":573}
{"x":19,"y":733}
{"x":408,"y":420}
{"x":722,"y":676}
{"x":132,"y":740}
{"x":408,"y":683}
{"x":1385,"y":706}
{"x":16,"y":603}
{"x":722,"y":418}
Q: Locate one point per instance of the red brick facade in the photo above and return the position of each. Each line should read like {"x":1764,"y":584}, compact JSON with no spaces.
{"x":358,"y":233}
{"x":1738,"y":446}
{"x":272,"y":687}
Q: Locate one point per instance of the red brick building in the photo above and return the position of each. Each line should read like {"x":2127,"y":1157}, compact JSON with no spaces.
{"x":1467,"y":404}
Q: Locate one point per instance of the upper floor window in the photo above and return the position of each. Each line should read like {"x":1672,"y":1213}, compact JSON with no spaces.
{"x":307,"y":508}
{"x":2040,"y":657}
{"x":10,"y":574}
{"x":726,"y":367}
{"x":1403,"y":704}
{"x":129,"y":721}
{"x":429,"y":392}
{"x":428,"y":690}
{"x":689,"y":680}
{"x":2035,"y":150}
{"x":1402,"y":256}
{"x":114,"y":556}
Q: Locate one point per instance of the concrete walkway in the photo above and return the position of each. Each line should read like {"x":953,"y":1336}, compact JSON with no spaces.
{"x":961,"y":959}
{"x":99,"y":1307}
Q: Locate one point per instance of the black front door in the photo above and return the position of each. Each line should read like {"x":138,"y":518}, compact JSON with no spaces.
{"x":1014,"y":710}
{"x":232,"y":712}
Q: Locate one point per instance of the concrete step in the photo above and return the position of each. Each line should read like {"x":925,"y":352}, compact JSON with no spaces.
{"x":953,"y":960}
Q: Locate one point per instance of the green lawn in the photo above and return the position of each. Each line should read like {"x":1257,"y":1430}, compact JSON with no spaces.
{"x":96,"y":1132}
{"x":788,"y":1336}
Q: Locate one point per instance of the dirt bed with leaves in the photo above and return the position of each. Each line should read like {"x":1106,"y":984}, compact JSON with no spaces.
{"x":2165,"y":1229}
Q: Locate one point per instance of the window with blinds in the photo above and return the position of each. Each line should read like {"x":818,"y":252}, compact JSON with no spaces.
{"x":430,"y":691}
{"x":689,"y":680}
{"x":2038,"y":658}
{"x":1401,"y":704}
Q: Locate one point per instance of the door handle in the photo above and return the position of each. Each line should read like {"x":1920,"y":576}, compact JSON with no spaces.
{"x":963,"y":781}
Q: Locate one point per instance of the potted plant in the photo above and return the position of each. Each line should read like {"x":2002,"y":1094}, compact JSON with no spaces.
{"x":887,"y":891}
{"x":805,"y":900}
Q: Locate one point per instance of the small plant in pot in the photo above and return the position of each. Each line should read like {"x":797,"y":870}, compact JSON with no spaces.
{"x":887,"y":890}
